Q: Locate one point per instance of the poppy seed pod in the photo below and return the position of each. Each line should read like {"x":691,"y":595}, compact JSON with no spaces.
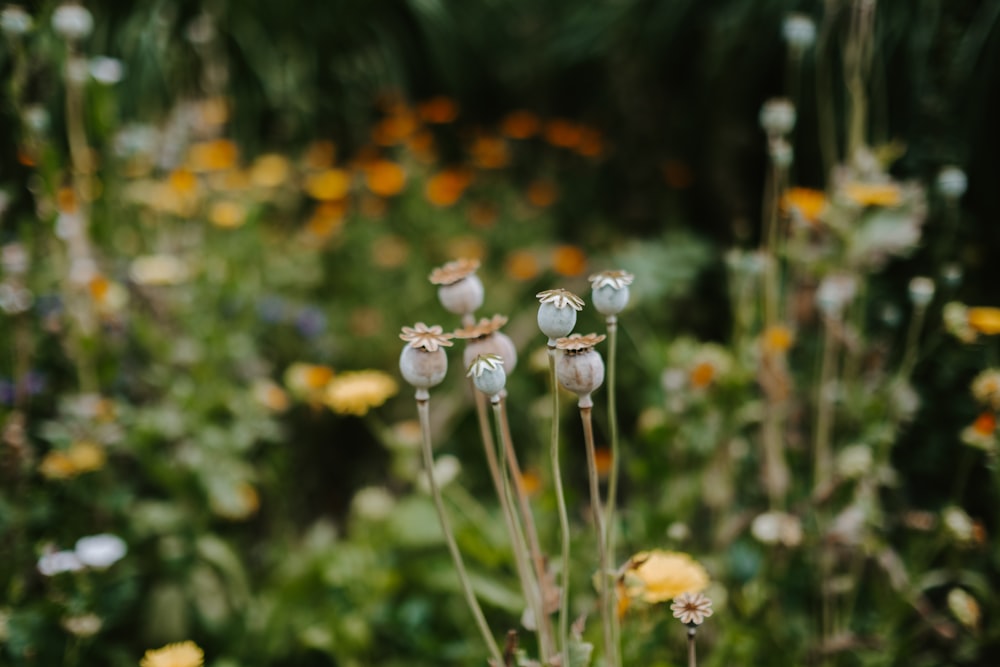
{"x":488,"y":375}
{"x":459,"y":288}
{"x":777,"y":117}
{"x":580,"y":367}
{"x":557,"y":313}
{"x":423,"y":362}
{"x":609,"y":291}
{"x":485,"y":337}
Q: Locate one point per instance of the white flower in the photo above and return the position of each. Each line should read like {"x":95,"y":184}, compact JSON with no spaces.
{"x":446,"y":469}
{"x":54,"y":563}
{"x":777,"y":527}
{"x":158,"y":270}
{"x":952,"y":182}
{"x":14,"y":20}
{"x":799,"y":31}
{"x":777,"y":117}
{"x":374,"y":503}
{"x":691,"y":608}
{"x":921,"y":291}
{"x":958,"y":523}
{"x":854,"y":461}
{"x":72,"y":21}
{"x":101,"y":550}
{"x":106,"y":70}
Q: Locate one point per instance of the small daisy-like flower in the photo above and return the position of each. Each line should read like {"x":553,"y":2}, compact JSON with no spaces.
{"x":485,"y":327}
{"x":421,"y":336}
{"x":576,"y":343}
{"x":691,"y":608}
{"x":452,"y":272}
{"x":181,"y":654}
{"x":561,"y":298}
{"x":616,"y":279}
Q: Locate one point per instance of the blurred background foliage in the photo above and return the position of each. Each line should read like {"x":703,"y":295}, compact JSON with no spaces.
{"x":237,"y":489}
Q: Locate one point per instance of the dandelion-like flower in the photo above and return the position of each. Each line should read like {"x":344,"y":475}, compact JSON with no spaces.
{"x":14,"y":20}
{"x":72,"y":21}
{"x":657,"y":576}
{"x":777,"y":117}
{"x":921,"y":291}
{"x":691,"y":608}
{"x":181,"y":654}
{"x":799,"y":30}
{"x":357,"y":392}
{"x":952,"y":182}
{"x":428,"y":338}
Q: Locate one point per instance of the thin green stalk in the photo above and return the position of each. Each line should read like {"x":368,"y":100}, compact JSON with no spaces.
{"x":912,"y":343}
{"x":423,"y":410}
{"x":542,"y":621}
{"x":602,"y":554}
{"x":563,"y":514}
{"x":510,"y":517}
{"x":609,"y":528}
{"x":822,"y":452}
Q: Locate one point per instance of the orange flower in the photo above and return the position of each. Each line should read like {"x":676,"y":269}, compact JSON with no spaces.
{"x":591,"y":143}
{"x":269,"y":171}
{"x":489,"y":152}
{"x":214,"y":111}
{"x":216,"y":155}
{"x":677,"y":174}
{"x":438,"y":109}
{"x":985,"y":424}
{"x":385,"y":178}
{"x":602,"y":460}
{"x":446,"y":187}
{"x":66,"y":200}
{"x":542,"y":193}
{"x":569,"y":260}
{"x":520,"y":124}
{"x":522,"y":265}
{"x":562,"y":133}
{"x":182,"y":181}
{"x":874,"y":194}
{"x":328,"y":185}
{"x":807,"y":202}
{"x":99,"y":287}
{"x":483,"y":214}
{"x":393,"y":129}
{"x":320,"y":155}
{"x":326,"y":219}
{"x":531,"y":482}
{"x":702,"y":375}
{"x":985,"y":320}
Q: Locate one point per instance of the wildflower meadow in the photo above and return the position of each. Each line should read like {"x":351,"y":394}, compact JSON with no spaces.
{"x":508,"y":333}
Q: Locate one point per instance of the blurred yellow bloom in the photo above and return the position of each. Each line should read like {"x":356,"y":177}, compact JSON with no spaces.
{"x":657,"y":576}
{"x":182,"y":181}
{"x":522,"y":265}
{"x":444,"y":188}
{"x":270,"y":395}
{"x":320,"y":155}
{"x":57,"y":465}
{"x":542,"y":193}
{"x":874,"y":194}
{"x":569,"y":261}
{"x":86,"y":456}
{"x":777,"y":339}
{"x":215,"y":155}
{"x":985,"y":320}
{"x":807,"y":202}
{"x":357,"y":392}
{"x":269,"y":171}
{"x":182,"y":654}
{"x":307,"y":380}
{"x":328,"y":184}
{"x":227,"y":214}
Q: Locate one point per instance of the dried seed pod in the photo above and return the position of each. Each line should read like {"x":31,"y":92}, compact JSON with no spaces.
{"x":487,"y":373}
{"x":485,"y":337}
{"x":580,"y":368}
{"x":609,"y":291}
{"x":557,"y":313}
{"x":423,"y":362}
{"x":459,"y":288}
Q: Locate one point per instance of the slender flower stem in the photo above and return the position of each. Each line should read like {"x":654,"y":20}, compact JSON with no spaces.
{"x":509,"y":516}
{"x":609,"y":528}
{"x":542,"y":621}
{"x":595,"y":504}
{"x":423,"y":409}
{"x":822,"y":452}
{"x":692,"y":658}
{"x":912,"y":340}
{"x":563,"y":514}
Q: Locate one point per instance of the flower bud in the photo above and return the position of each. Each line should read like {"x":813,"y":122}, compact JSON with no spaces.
{"x":921,"y":291}
{"x":557,"y":313}
{"x":15,"y":21}
{"x":580,"y":368}
{"x":799,"y":31}
{"x":488,"y":375}
{"x":609,"y":291}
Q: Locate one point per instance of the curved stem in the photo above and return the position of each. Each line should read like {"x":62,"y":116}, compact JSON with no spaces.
{"x":602,"y":555}
{"x":563,"y":514}
{"x":423,"y":409}
{"x":609,"y":536}
{"x":528,"y":521}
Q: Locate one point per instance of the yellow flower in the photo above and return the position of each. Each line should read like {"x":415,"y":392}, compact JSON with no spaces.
{"x":657,"y":576}
{"x":57,"y":465}
{"x":227,"y":214}
{"x":328,"y":185}
{"x":985,"y":320}
{"x":86,"y":456}
{"x":307,"y":380}
{"x":270,"y":395}
{"x":874,"y":194}
{"x":182,"y":654}
{"x":777,"y":338}
{"x":269,"y":171}
{"x":806,"y":202}
{"x":357,"y":392}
